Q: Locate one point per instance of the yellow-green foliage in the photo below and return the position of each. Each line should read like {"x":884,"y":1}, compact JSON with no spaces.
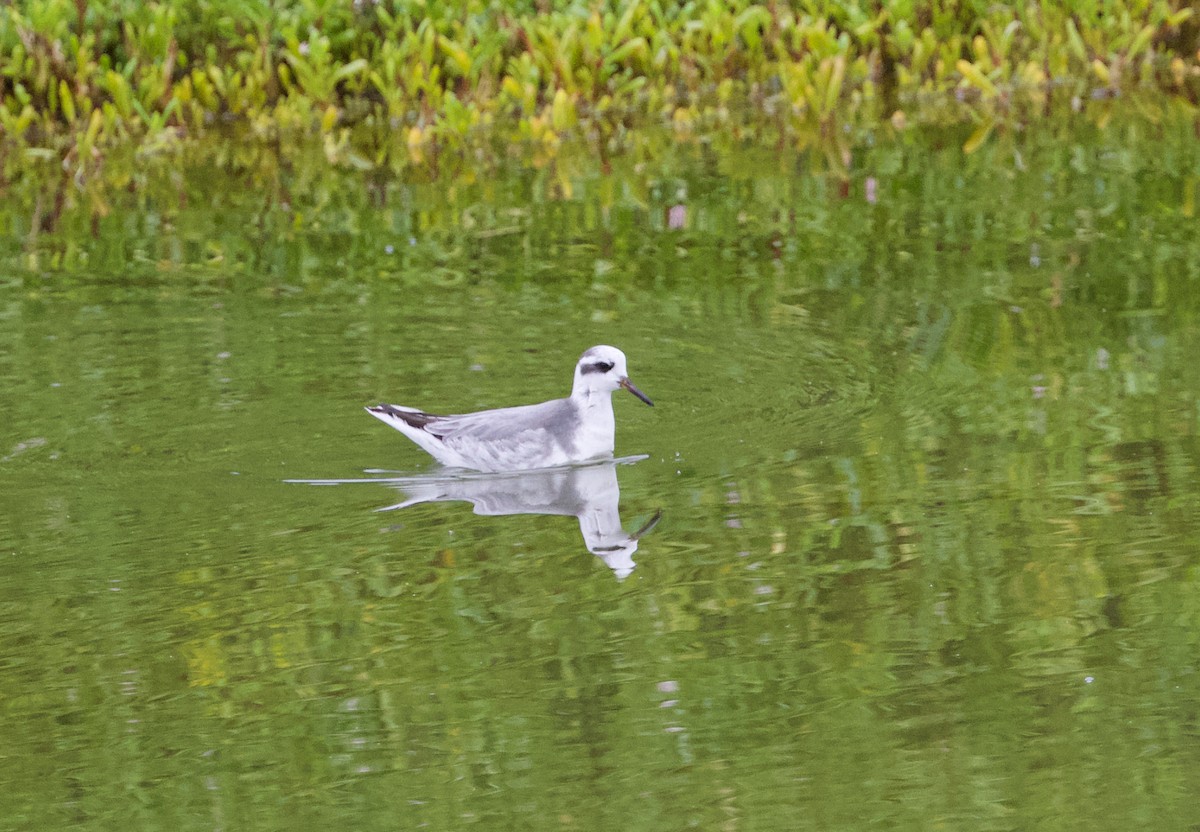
{"x":76,"y":76}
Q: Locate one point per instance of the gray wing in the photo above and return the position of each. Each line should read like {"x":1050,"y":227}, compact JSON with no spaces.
{"x":509,"y":434}
{"x":555,"y":416}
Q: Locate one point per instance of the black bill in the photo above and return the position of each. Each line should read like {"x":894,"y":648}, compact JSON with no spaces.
{"x":632,"y":388}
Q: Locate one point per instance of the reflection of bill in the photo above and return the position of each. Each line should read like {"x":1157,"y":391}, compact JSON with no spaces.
{"x":589,"y":493}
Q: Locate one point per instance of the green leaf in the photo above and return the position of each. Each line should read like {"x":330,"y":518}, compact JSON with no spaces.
{"x":977,"y":79}
{"x":1075,"y":42}
{"x":459,"y":59}
{"x":1140,"y":41}
{"x":351,"y":69}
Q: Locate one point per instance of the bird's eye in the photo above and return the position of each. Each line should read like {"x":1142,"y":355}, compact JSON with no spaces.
{"x":598,"y":367}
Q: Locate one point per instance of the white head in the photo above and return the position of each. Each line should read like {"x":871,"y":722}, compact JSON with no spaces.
{"x":602,"y":370}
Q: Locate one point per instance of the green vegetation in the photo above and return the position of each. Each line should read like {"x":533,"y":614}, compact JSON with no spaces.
{"x":96,"y":97}
{"x":399,"y":83}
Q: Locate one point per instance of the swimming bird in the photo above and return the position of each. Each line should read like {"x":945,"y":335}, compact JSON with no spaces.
{"x":558,"y":432}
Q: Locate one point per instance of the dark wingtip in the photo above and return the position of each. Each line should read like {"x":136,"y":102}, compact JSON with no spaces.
{"x":415,"y":418}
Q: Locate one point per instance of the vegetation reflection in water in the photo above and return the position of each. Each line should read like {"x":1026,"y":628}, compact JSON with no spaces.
{"x":928,"y":554}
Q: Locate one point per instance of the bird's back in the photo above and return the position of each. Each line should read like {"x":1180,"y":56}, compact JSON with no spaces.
{"x":509,"y":438}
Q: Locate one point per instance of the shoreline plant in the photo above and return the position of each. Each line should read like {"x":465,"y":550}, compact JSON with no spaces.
{"x":77,"y":78}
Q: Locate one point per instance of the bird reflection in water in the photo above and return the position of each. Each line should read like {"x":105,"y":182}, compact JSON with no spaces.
{"x":589,"y":493}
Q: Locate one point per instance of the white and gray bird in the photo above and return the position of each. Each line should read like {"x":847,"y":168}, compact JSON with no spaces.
{"x":578,"y":428}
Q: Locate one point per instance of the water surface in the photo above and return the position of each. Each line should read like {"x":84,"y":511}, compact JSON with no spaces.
{"x":925,"y":452}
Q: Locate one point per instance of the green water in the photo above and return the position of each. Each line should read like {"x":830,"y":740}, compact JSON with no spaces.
{"x":924,"y":447}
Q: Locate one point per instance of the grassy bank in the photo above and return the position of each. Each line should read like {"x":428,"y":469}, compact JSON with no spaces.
{"x":402,"y":82}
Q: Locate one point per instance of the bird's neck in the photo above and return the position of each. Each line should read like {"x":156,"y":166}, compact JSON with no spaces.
{"x":597,"y":425}
{"x":591,"y":399}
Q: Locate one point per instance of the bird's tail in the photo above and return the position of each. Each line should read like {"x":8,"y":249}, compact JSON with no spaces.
{"x":392,"y":413}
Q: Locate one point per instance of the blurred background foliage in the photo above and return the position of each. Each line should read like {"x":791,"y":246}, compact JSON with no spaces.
{"x":400,"y":84}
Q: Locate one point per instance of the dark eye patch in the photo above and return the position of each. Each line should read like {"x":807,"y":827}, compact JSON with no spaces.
{"x":598,"y":367}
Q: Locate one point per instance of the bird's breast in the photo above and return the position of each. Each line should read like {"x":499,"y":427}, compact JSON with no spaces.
{"x":594,"y":436}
